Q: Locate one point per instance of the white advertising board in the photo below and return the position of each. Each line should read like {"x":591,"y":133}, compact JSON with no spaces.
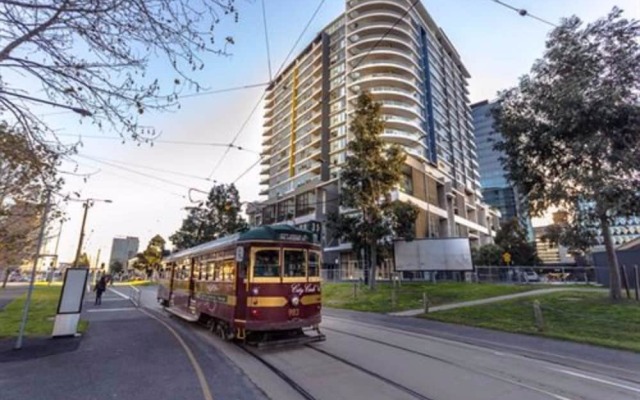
{"x":75,"y":281}
{"x":451,"y":254}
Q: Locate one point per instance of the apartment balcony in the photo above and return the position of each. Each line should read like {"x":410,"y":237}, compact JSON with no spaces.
{"x":361,"y":5}
{"x":403,"y":124}
{"x":265,"y":180}
{"x":368,"y":66}
{"x":379,"y":28}
{"x":389,"y":79}
{"x":366,"y":43}
{"x":399,"y":108}
{"x":400,"y":137}
{"x":384,"y":54}
{"x":420,"y":154}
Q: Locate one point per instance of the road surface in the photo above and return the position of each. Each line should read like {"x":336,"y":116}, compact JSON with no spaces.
{"x":364,"y":359}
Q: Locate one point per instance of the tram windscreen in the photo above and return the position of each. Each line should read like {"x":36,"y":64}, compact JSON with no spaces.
{"x":266,"y":263}
{"x":294,"y":263}
{"x":314,"y":263}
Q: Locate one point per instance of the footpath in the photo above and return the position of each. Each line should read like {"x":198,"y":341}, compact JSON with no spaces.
{"x":126,"y":353}
{"x":444,"y":307}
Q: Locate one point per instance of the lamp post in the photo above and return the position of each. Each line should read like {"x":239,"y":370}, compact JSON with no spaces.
{"x":86,"y":204}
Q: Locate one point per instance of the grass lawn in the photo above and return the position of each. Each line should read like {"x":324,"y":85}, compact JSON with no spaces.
{"x":44,"y":303}
{"x":586,"y":317}
{"x":409,"y":295}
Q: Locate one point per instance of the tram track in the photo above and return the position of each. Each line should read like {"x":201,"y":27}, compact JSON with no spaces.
{"x":282,"y":375}
{"x":513,"y":381}
{"x":305,"y":394}
{"x":396,"y":385}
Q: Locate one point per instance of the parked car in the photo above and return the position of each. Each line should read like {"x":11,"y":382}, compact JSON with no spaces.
{"x":530,"y":275}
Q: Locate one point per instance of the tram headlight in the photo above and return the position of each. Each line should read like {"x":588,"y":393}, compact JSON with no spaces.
{"x":295,"y":300}
{"x":255,"y":291}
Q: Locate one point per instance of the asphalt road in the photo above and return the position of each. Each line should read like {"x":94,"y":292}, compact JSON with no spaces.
{"x":366,"y":357}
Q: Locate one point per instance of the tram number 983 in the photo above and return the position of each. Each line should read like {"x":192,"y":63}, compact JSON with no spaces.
{"x":294,"y":312}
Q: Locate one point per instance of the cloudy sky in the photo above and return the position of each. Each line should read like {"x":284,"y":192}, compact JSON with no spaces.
{"x":495,"y":43}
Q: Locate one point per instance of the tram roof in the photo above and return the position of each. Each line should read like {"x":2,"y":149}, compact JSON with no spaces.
{"x":267,"y":232}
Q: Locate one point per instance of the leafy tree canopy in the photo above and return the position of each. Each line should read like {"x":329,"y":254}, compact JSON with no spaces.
{"x":512,"y":238}
{"x":26,"y":171}
{"x":83,"y":261}
{"x":93,"y":57}
{"x":218,"y":216}
{"x":152,"y":255}
{"x":570,"y":129}
{"x":489,"y":254}
{"x":371,"y":172}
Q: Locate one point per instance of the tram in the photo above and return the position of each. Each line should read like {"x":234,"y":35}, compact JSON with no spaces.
{"x":260,"y":286}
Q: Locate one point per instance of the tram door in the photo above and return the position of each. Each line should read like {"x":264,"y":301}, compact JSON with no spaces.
{"x":191,"y":303}
{"x":242,"y":264}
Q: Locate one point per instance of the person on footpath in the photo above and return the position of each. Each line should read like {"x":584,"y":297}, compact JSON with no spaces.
{"x":100,"y":288}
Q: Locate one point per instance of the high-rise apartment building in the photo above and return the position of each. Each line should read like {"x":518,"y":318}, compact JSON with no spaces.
{"x":123,"y":249}
{"x":497,"y":191}
{"x":398,"y":54}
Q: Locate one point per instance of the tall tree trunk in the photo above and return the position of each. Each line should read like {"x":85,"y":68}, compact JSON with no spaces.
{"x":5,"y":278}
{"x":615,"y":290}
{"x":373,"y":254}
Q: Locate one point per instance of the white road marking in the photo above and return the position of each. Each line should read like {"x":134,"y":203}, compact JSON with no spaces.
{"x":596,"y":379}
{"x":112,"y":309}
{"x":124,"y":296}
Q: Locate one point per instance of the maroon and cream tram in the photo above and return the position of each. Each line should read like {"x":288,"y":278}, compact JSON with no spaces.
{"x":260,"y":284}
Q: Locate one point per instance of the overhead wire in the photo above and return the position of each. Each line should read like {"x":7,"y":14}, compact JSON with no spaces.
{"x":266,"y":39}
{"x":134,"y":165}
{"x":189,"y":95}
{"x":177,"y":142}
{"x":284,"y":63}
{"x":167,"y":181}
{"x":163,"y":189}
{"x":524,"y":13}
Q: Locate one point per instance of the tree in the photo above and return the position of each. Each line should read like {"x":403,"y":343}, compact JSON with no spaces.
{"x":570,"y":129}
{"x":83,"y":261}
{"x":218,"y":216}
{"x":578,"y":236}
{"x":512,"y":238}
{"x":371,"y":172}
{"x":151,"y":257}
{"x":116,"y":267}
{"x":93,"y":56}
{"x":489,"y":254}
{"x":26,"y":172}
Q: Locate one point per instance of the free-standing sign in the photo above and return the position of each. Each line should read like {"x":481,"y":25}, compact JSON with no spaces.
{"x":70,"y":303}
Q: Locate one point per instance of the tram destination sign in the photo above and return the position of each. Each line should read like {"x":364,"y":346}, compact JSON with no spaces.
{"x":293,"y":237}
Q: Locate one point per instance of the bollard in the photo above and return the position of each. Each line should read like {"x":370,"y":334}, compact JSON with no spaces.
{"x":637,"y":276}
{"x":425,"y":302}
{"x":625,"y":281}
{"x":537,"y":313}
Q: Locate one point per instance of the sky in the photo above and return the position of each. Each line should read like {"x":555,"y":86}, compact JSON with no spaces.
{"x":496,"y":44}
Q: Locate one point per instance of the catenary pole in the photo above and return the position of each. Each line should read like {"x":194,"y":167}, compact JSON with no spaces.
{"x":25,"y":310}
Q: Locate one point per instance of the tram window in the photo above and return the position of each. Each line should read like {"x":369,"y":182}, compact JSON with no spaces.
{"x":314,"y":263}
{"x":216,"y":274}
{"x":209,"y":273}
{"x":199,"y":272}
{"x":266,"y":263}
{"x":228,"y":270}
{"x":183,"y":272}
{"x":294,"y":263}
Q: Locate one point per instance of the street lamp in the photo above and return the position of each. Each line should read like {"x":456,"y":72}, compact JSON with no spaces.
{"x":86,"y":204}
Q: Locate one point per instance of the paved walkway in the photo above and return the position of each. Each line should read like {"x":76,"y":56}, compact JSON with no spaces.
{"x":126,"y":353}
{"x":444,"y":307}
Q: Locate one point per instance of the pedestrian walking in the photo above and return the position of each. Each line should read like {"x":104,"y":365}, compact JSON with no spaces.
{"x":101,"y":286}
